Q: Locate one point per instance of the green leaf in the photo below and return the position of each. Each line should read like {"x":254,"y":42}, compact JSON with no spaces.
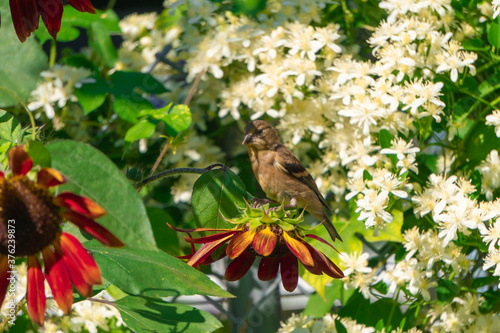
{"x":72,"y":19}
{"x":446,"y":290}
{"x":141,"y":130}
{"x":101,"y":42}
{"x":92,"y":95}
{"x":127,"y":88}
{"x":178,"y":120}
{"x":145,"y":314}
{"x":340,"y":328}
{"x":481,"y":141}
{"x":10,"y":128}
{"x":151,"y":273}
{"x":166,"y":238}
{"x":217,"y":193}
{"x":474,"y":44}
{"x":39,"y":154}
{"x":385,"y":138}
{"x":318,"y":306}
{"x":92,"y":174}
{"x":371,"y":313}
{"x":494,"y":34}
{"x":21,"y":62}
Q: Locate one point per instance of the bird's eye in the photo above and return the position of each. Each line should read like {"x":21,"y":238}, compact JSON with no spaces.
{"x":260,"y":131}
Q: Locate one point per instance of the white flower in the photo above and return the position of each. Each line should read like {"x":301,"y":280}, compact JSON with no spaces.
{"x":401,"y":148}
{"x":493,"y":119}
{"x":493,"y":259}
{"x":43,"y":97}
{"x":491,"y":235}
{"x":496,"y":8}
{"x":355,"y":262}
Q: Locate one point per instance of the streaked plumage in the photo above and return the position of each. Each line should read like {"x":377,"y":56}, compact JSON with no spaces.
{"x":281,"y":175}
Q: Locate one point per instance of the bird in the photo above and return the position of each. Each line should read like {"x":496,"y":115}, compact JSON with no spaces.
{"x":282,"y":176}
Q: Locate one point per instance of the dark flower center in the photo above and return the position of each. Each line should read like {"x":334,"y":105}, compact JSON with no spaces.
{"x":28,"y":215}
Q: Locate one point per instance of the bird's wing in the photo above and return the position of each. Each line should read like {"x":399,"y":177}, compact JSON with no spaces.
{"x":288,"y":163}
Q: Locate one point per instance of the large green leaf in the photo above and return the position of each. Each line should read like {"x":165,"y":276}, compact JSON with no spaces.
{"x":151,"y":273}
{"x":494,"y":34}
{"x":10,"y":128}
{"x":143,"y":129}
{"x":92,"y":174}
{"x":176,"y":119}
{"x":144,"y":314}
{"x":166,"y":238}
{"x":92,"y":95}
{"x":216,"y":194}
{"x":73,"y":19}
{"x":21,"y":63}
{"x":101,"y":41}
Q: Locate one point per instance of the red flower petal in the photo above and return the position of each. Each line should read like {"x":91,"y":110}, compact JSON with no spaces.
{"x":51,"y":13}
{"x":2,"y":175}
{"x":322,"y":241}
{"x":298,"y":249}
{"x":58,"y":278}
{"x":35,"y":294}
{"x":76,"y":277}
{"x":82,"y":6}
{"x":268,"y":268}
{"x":83,"y":260}
{"x":25,"y":17}
{"x":79,"y":204}
{"x":239,"y":266}
{"x":239,"y":243}
{"x":289,"y":272}
{"x":206,"y":250}
{"x":19,"y":161}
{"x":210,"y":238}
{"x":264,"y":242}
{"x":325,"y":264}
{"x":48,"y":177}
{"x":94,"y":229}
{"x":4,"y":274}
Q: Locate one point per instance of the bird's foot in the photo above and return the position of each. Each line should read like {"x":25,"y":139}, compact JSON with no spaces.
{"x":256,"y":202}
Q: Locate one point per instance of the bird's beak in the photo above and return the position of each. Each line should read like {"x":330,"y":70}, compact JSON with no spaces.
{"x":247,"y":140}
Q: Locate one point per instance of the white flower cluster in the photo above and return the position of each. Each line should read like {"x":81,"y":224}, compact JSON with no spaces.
{"x":306,"y":324}
{"x":57,"y":88}
{"x":462,"y":315}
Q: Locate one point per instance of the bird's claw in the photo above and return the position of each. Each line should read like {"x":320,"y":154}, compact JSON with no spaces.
{"x":256,"y":202}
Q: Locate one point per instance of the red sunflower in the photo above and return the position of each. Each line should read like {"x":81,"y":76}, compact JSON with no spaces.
{"x":26,"y":15}
{"x":275,"y":238}
{"x":30,"y":226}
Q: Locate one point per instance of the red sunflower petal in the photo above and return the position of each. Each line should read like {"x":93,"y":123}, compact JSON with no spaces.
{"x":206,"y":250}
{"x":25,"y":17}
{"x":51,"y":13}
{"x":35,"y":294}
{"x":86,"y":264}
{"x":2,"y":175}
{"x":82,"y":6}
{"x":19,"y":161}
{"x":93,"y":228}
{"x":322,"y":241}
{"x":298,"y":249}
{"x":48,"y":177}
{"x":268,"y":268}
{"x":210,"y":238}
{"x":239,"y":243}
{"x":58,"y":278}
{"x":325,"y":264}
{"x":79,"y":204}
{"x":4,"y":275}
{"x":76,"y":277}
{"x":239,"y":266}
{"x":264,"y":241}
{"x":289,"y":272}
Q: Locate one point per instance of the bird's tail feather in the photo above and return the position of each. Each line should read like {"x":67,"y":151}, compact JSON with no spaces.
{"x":331,"y":229}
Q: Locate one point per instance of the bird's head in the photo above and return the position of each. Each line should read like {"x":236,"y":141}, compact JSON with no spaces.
{"x":260,"y":134}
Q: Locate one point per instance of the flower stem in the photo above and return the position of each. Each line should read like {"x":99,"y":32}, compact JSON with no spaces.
{"x":53,"y":51}
{"x":174,"y":172}
{"x":32,"y":119}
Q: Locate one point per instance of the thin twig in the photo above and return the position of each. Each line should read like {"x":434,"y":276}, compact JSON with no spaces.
{"x":174,"y":172}
{"x":164,"y":151}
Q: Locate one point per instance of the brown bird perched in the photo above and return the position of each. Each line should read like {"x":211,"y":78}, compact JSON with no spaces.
{"x":281,"y":175}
